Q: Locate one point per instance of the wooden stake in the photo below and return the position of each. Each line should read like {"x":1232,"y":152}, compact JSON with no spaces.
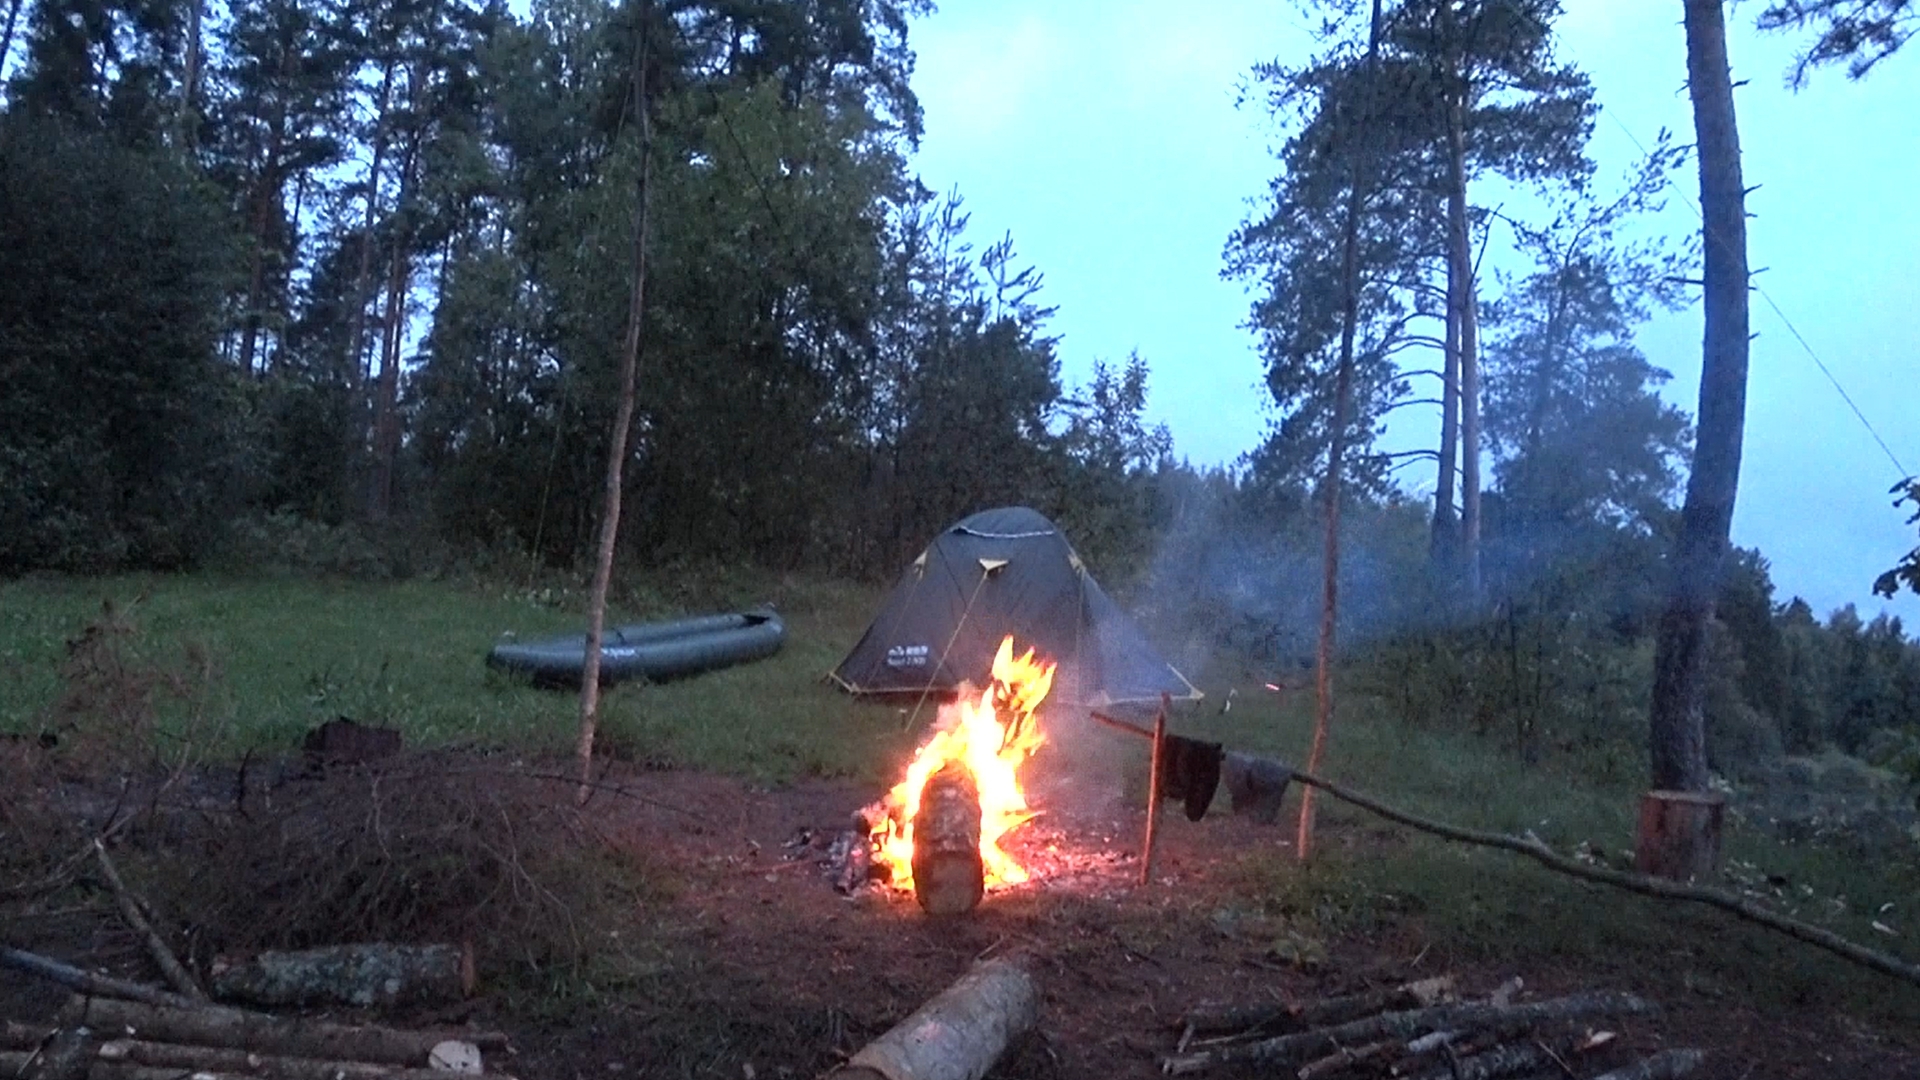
{"x":1153,"y":789}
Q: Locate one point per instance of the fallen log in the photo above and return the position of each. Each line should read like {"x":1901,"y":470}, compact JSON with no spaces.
{"x":1534,"y":848}
{"x":1665,"y":1065}
{"x":103,"y":1070}
{"x":87,"y":982}
{"x":219,"y":1025}
{"x":1507,"y":1059}
{"x":131,"y":1056}
{"x":1288,"y":1050}
{"x":1212,"y":1018}
{"x":156,"y":946}
{"x":356,"y":975}
{"x":958,"y":1035}
{"x":17,"y":1036}
{"x":948,"y":876}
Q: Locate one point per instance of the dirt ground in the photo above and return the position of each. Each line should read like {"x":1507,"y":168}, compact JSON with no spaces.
{"x":1118,"y":962}
{"x":765,"y":970}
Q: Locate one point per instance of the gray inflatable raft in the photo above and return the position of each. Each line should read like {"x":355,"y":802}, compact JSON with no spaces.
{"x":653,"y":651}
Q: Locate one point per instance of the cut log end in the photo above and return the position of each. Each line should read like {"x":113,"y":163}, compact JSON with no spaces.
{"x":1679,"y":837}
{"x":948,"y":875}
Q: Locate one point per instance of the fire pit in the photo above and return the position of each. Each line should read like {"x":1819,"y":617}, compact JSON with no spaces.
{"x":937,"y":833}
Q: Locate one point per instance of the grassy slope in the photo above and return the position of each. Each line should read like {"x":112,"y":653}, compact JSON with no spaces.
{"x":294,"y":652}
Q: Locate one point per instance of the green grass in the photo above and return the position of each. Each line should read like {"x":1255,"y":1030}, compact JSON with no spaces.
{"x":288,"y":653}
{"x":1489,"y":906}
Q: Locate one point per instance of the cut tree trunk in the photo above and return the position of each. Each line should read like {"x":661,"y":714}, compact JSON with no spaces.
{"x":948,"y":876}
{"x":130,"y":1056}
{"x":357,"y":975}
{"x":213,"y":1025}
{"x":1679,"y":835}
{"x":959,"y":1035}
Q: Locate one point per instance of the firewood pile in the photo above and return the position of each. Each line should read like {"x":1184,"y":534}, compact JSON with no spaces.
{"x":111,"y":1039}
{"x":113,"y":1029}
{"x":1423,"y":1030}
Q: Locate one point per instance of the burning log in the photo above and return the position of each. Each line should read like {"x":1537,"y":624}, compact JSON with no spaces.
{"x":358,"y":975}
{"x":949,"y":877}
{"x":959,"y":1035}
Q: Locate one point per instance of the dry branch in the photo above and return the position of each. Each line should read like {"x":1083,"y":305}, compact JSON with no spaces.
{"x":1532,"y":847}
{"x":1346,"y":1058}
{"x":88,"y":983}
{"x":959,"y":1035}
{"x":135,"y":1054}
{"x":156,"y":947}
{"x":214,"y":1025}
{"x":1665,"y":1065}
{"x":1217,"y":1017}
{"x":1288,"y":1050}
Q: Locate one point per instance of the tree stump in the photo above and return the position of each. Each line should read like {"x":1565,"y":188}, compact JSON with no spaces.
{"x":948,"y":876}
{"x":1680,"y":834}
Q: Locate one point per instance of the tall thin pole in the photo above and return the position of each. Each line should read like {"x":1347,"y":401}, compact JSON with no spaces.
{"x":1336,"y":452}
{"x":622,"y":425}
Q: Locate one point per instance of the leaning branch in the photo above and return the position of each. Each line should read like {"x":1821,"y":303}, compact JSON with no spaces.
{"x":1532,"y":847}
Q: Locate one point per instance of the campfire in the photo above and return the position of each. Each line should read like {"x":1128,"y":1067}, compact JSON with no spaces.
{"x":938,"y":831}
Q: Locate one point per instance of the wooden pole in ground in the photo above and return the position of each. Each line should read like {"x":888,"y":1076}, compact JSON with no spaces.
{"x":1153,"y":789}
{"x":959,"y":1035}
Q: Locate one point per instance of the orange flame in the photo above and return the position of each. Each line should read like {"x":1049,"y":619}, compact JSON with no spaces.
{"x":992,"y":736}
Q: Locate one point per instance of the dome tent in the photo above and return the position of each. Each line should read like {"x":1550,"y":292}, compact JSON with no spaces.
{"x":1000,"y":572}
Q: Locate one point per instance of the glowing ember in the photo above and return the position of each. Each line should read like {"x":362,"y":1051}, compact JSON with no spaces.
{"x":992,"y":736}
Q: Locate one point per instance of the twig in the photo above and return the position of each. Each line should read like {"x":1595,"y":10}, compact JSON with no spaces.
{"x":157,"y":948}
{"x":88,"y":983}
{"x":1532,"y":847}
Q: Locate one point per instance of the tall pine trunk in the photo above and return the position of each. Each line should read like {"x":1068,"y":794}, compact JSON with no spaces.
{"x":1443,"y":548}
{"x":189,"y":77}
{"x":1677,"y":732}
{"x":363,"y":276}
{"x":622,"y":424}
{"x":6,"y":37}
{"x":1337,"y":444}
{"x":386,"y":412}
{"x":1465,"y":297}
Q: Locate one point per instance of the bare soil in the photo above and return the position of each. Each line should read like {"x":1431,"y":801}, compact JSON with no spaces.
{"x":748,"y":963}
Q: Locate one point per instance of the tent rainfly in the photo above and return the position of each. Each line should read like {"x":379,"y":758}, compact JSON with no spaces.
{"x":1000,"y":572}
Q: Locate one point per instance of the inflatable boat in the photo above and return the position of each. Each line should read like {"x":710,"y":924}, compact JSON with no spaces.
{"x":654,"y":651}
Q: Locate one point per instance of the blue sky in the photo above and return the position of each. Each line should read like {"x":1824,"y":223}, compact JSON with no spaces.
{"x":1104,"y":136}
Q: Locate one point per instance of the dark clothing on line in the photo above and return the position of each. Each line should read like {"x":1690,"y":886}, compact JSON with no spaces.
{"x":1190,"y":771}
